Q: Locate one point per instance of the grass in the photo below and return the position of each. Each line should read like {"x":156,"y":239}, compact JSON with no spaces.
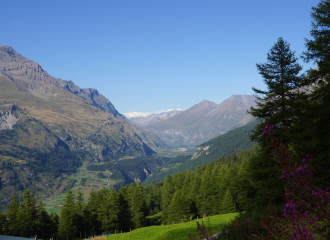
{"x":178,"y":231}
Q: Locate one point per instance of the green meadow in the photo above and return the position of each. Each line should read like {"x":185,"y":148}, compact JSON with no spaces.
{"x":178,"y":231}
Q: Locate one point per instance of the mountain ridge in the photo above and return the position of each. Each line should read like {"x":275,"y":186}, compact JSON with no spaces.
{"x":204,"y":121}
{"x":50,"y":127}
{"x":143,"y":119}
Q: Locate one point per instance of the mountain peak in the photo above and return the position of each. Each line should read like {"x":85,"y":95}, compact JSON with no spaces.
{"x":206,"y":102}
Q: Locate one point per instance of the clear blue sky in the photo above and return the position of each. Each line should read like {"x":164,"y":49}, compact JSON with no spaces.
{"x":151,"y":55}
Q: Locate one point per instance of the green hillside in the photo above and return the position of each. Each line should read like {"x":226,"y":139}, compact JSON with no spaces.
{"x":174,"y":231}
{"x":235,"y":140}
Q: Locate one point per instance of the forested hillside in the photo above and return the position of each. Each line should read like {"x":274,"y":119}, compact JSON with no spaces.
{"x":210,"y":189}
{"x":220,"y":147}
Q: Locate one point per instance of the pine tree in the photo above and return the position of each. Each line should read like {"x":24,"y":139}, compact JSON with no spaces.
{"x":207,"y":191}
{"x":124,"y":219}
{"x":167,"y":195}
{"x":93,"y":211}
{"x":179,"y":208}
{"x":318,"y":48}
{"x":138,"y":207}
{"x":80,"y":219}
{"x":280,"y":104}
{"x":55,"y":224}
{"x":111,"y":209}
{"x":13,"y":215}
{"x":314,"y":125}
{"x":67,"y":227}
{"x":282,"y":100}
{"x":29,"y":215}
{"x":44,"y":222}
{"x":227,"y":204}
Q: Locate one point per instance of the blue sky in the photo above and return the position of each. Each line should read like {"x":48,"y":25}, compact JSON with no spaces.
{"x":152,"y":55}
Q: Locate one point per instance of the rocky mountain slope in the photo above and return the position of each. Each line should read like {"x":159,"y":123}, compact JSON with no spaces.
{"x":50,"y":126}
{"x":204,"y":121}
{"x":143,"y":119}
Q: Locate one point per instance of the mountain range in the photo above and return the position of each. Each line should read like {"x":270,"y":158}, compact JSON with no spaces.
{"x":202,"y":121}
{"x":51,"y":127}
{"x":144,"y":119}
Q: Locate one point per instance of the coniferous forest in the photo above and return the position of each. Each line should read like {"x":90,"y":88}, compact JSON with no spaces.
{"x":280,"y":186}
{"x":210,"y":189}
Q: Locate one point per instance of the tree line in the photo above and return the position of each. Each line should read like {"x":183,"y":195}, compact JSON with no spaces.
{"x":186,"y":195}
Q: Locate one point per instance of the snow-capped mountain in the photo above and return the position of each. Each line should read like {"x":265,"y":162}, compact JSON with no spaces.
{"x":143,"y":119}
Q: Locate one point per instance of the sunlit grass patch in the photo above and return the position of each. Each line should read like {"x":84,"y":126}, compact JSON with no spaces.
{"x":171,"y":232}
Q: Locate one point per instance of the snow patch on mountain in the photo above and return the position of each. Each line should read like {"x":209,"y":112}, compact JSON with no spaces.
{"x":131,"y":115}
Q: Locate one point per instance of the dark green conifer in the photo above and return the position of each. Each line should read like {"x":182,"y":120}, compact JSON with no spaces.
{"x":67,"y":227}
{"x":207,"y":191}
{"x":44,"y":222}
{"x":112,"y":209}
{"x":13,"y":218}
{"x":179,"y":209}
{"x":124,"y":215}
{"x":29,"y":215}
{"x":283,"y":98}
{"x":138,"y":207}
{"x":227,"y":204}
{"x":280,"y":104}
{"x":167,"y":195}
{"x":55,"y":224}
{"x":314,"y":125}
{"x":80,"y":217}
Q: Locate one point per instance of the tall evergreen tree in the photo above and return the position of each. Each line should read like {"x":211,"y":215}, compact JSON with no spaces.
{"x":167,"y":195}
{"x":280,"y":104}
{"x":112,"y":209}
{"x":55,"y":224}
{"x":138,"y":206}
{"x":29,"y":215}
{"x":44,"y":222}
{"x":67,"y":227}
{"x":314,"y":125}
{"x":80,"y":219}
{"x":227,"y":204}
{"x":207,"y":191}
{"x":283,"y":97}
{"x":179,"y":209}
{"x":93,"y":211}
{"x":13,"y":214}
{"x":124,"y":216}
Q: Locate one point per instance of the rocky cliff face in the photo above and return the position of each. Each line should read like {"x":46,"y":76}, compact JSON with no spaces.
{"x":26,"y":73}
{"x":204,"y":121}
{"x":8,"y":118}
